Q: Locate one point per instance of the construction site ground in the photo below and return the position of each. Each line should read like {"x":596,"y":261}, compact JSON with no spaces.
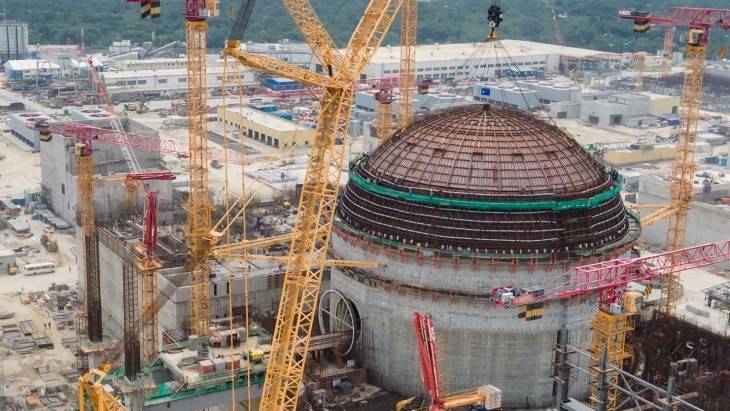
{"x":26,"y":375}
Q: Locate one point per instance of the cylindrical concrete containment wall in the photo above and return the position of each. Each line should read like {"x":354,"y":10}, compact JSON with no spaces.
{"x":455,"y":206}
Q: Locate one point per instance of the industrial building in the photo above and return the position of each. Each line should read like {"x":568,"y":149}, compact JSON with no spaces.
{"x":477,"y":60}
{"x":443,"y":213}
{"x":30,"y":69}
{"x":13,"y":40}
{"x":266,"y":127}
{"x":21,"y":127}
{"x":167,"y":82}
{"x":222,"y":247}
{"x":59,"y":174}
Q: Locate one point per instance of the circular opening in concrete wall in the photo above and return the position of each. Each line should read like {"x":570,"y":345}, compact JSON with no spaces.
{"x":338,"y":314}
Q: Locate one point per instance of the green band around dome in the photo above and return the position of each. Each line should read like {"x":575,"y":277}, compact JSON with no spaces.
{"x":553,"y":205}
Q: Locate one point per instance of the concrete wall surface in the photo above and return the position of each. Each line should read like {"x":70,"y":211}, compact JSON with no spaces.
{"x":480,"y":343}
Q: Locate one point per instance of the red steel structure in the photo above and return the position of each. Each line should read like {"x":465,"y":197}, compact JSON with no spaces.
{"x":681,"y":192}
{"x":84,"y":132}
{"x":614,"y":274}
{"x":426,"y":340}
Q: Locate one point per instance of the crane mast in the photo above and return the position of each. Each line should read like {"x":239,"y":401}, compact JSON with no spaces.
{"x":310,"y":240}
{"x":85,"y":181}
{"x":199,"y":204}
{"x":409,"y":28}
{"x":667,"y":52}
{"x":681,"y":191}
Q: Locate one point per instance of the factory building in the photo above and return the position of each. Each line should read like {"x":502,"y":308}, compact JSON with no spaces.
{"x":30,"y":69}
{"x":629,"y":109}
{"x":507,"y":96}
{"x":168,"y":82}
{"x":452,"y":207}
{"x":164,"y":63}
{"x":13,"y":40}
{"x":265,"y":127}
{"x":366,"y":100}
{"x":475,"y":60}
{"x":20,"y":125}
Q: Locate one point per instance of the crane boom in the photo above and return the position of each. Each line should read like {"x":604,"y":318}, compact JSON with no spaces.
{"x":408,"y":39}
{"x":116,"y":123}
{"x":681,"y":191}
{"x":85,"y":132}
{"x":310,"y":241}
{"x":612,"y":274}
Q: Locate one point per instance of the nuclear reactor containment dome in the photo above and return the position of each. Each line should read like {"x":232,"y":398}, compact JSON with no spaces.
{"x":460,"y":203}
{"x":487,"y":180}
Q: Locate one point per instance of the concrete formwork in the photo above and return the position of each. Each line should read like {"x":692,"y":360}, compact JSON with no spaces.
{"x":480,"y":343}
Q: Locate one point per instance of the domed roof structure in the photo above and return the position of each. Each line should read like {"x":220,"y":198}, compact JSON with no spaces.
{"x":487,"y":180}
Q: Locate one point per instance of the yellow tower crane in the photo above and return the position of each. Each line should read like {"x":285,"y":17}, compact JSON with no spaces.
{"x":640,"y":59}
{"x":199,"y":204}
{"x":681,"y":191}
{"x":407,"y":86}
{"x":310,"y":240}
{"x":667,"y":52}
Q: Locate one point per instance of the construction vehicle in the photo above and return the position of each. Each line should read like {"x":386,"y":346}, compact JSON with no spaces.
{"x":681,"y":192}
{"x":48,"y":241}
{"x":310,"y":240}
{"x":139,"y":108}
{"x":607,"y":281}
{"x":483,"y":398}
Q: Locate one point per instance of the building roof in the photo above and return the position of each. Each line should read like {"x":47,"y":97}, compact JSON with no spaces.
{"x":4,"y":252}
{"x":266,"y":119}
{"x":458,"y":51}
{"x":182,"y":71}
{"x":487,"y":179}
{"x":31,"y":64}
{"x":32,"y":116}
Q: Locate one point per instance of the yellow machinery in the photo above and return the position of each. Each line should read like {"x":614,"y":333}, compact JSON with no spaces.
{"x":640,"y":59}
{"x":90,"y":385}
{"x":199,"y":205}
{"x":667,"y":52}
{"x":85,"y":181}
{"x":384,"y":111}
{"x":681,"y":191}
{"x":408,"y":36}
{"x":310,"y":241}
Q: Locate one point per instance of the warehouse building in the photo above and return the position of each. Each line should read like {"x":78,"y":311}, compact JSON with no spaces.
{"x":20,"y":126}
{"x":13,"y":40}
{"x":30,"y":69}
{"x":266,"y":128}
{"x":167,"y":82}
{"x":470,"y":60}
{"x":629,"y":109}
{"x":507,"y":95}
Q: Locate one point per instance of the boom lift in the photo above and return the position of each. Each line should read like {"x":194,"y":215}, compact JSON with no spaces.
{"x":681,"y":192}
{"x":308,"y":252}
{"x":426,"y":340}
